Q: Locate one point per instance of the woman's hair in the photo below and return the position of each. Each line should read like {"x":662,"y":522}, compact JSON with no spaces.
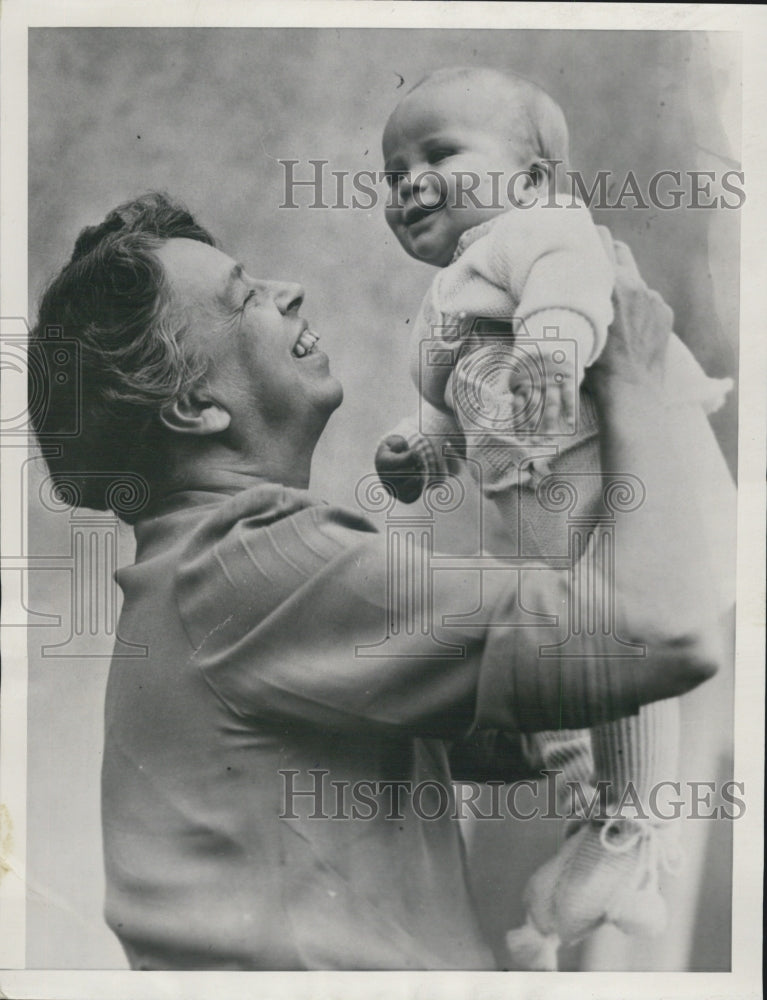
{"x":112,"y":300}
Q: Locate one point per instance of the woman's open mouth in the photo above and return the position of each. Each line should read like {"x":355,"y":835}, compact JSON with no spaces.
{"x":306,"y":343}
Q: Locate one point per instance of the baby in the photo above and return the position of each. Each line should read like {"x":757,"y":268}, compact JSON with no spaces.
{"x":518,"y":312}
{"x":469,"y":156}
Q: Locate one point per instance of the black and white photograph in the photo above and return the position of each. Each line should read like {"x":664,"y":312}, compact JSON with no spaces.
{"x":382,"y":500}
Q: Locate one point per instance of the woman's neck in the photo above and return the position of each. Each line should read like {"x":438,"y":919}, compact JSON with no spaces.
{"x":220,"y":469}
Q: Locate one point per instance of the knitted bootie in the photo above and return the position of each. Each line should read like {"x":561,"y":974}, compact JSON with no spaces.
{"x":532,"y":950}
{"x":534,"y":945}
{"x":604,"y":873}
{"x":613,"y":877}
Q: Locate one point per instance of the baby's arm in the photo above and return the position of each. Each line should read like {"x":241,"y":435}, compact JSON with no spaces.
{"x":413,"y":454}
{"x":555,"y":265}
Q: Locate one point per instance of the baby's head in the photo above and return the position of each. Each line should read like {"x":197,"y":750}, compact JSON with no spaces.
{"x":462,"y":146}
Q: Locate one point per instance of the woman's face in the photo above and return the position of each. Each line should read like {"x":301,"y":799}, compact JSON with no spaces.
{"x":264,"y":367}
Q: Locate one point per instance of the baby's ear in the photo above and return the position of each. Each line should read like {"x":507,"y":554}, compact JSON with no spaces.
{"x":535,"y":179}
{"x":540,"y":173}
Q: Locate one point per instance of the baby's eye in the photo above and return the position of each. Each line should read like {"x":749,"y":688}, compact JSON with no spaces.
{"x":394,"y":177}
{"x":440,"y":153}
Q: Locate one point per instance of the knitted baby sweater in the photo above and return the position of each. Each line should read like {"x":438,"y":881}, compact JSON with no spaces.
{"x":524,"y":276}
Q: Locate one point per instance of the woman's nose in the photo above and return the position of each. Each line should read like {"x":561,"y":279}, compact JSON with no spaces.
{"x":287,"y":296}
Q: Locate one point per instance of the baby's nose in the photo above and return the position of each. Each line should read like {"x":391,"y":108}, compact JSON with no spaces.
{"x":429,"y":188}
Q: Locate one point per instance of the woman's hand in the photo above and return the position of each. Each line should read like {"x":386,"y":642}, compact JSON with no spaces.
{"x":637,"y":342}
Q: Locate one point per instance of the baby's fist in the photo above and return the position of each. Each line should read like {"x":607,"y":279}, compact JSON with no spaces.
{"x":400,"y":468}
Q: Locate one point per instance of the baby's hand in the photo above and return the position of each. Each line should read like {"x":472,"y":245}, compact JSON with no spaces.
{"x":552,"y":396}
{"x":400,"y":468}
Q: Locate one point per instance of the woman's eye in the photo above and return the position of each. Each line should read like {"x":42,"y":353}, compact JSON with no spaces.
{"x":249,"y":297}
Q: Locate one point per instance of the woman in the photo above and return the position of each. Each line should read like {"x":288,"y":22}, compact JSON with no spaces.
{"x":265,"y":786}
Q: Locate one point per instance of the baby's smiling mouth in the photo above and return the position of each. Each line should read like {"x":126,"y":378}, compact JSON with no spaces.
{"x":417,"y":213}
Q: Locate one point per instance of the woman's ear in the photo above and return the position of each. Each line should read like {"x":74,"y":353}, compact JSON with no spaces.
{"x":192,"y":414}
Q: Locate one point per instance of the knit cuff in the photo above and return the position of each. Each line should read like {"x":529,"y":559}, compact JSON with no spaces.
{"x":430,"y":453}
{"x":574,"y":329}
{"x":428,"y":448}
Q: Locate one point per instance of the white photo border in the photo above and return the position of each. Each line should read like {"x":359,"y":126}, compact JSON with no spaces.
{"x":744,"y":980}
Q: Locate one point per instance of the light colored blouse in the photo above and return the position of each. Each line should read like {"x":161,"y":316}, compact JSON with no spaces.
{"x":252,"y":608}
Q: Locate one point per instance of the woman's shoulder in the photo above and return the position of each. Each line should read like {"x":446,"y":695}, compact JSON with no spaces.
{"x":194,"y":531}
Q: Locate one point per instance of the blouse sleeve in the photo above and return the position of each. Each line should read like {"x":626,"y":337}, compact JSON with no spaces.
{"x":312,"y":619}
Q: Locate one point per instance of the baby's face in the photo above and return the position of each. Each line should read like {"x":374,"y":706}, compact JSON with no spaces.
{"x":441,"y":147}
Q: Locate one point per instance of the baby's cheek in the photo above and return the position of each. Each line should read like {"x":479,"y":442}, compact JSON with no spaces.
{"x":392,"y":213}
{"x":392,"y":220}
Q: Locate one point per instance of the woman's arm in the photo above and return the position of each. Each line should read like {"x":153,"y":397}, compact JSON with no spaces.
{"x":661,"y":574}
{"x":360,"y":638}
{"x":665,"y":567}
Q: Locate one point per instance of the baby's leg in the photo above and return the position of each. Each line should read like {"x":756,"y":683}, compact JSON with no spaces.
{"x":608,"y":870}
